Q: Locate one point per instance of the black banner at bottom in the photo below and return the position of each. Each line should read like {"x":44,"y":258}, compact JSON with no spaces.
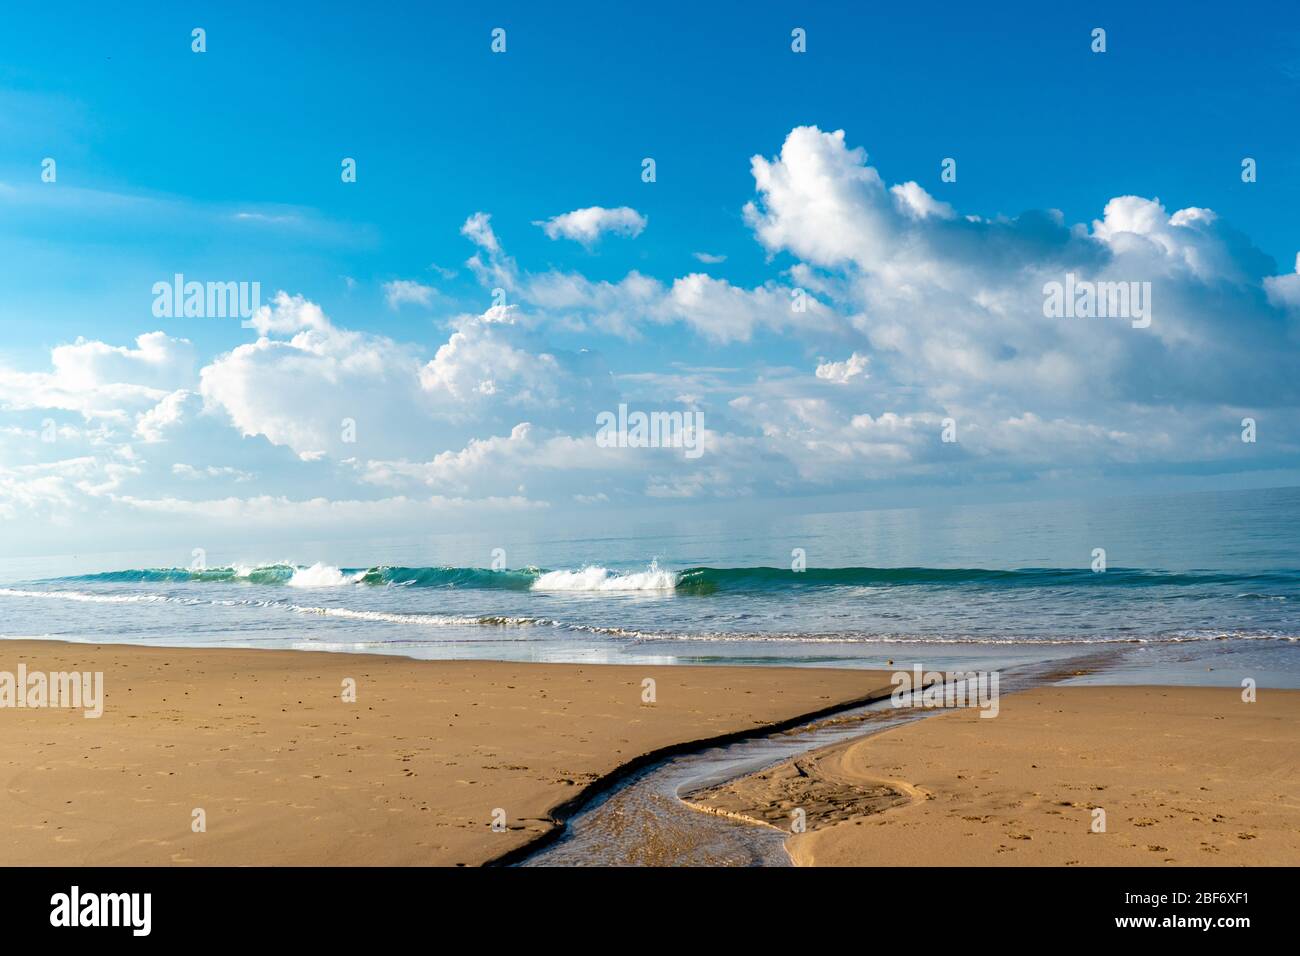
{"x":374,"y":905}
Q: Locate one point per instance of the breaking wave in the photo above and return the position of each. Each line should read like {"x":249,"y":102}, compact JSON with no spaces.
{"x":692,"y":581}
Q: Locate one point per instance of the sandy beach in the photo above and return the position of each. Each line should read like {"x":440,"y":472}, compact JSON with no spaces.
{"x":1184,"y":775}
{"x":287,"y":773}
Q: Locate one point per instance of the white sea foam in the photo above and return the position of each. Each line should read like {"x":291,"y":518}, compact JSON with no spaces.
{"x":321,"y":575}
{"x":429,"y":620}
{"x":1006,"y":639}
{"x":94,"y":598}
{"x":88,"y":598}
{"x":596,"y":578}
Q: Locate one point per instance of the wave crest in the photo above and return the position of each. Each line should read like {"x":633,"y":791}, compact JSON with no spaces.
{"x":597,"y":578}
{"x":703,"y":581}
{"x":321,"y":575}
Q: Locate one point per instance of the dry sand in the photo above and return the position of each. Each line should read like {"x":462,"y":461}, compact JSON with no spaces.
{"x":1185,"y":775}
{"x":288,"y":773}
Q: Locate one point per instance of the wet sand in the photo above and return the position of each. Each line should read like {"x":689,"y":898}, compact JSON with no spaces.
{"x":286,"y":772}
{"x":1184,"y":775}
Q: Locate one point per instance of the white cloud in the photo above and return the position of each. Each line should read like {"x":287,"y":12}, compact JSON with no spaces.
{"x":1284,"y":290}
{"x":98,"y":380}
{"x":725,"y":313}
{"x":497,"y":270}
{"x":288,"y":314}
{"x":62,"y":489}
{"x":623,"y":308}
{"x":478,"y":363}
{"x":841,"y":373}
{"x":947,"y":305}
{"x":332,"y":393}
{"x":588,"y":225}
{"x":820,"y":201}
{"x":401,"y":292}
{"x":493,"y":465}
{"x":299,"y":392}
{"x":951,"y":306}
{"x":491,"y":368}
{"x":167,"y":414}
{"x":478,"y":229}
{"x":714,"y":308}
{"x":192,"y":473}
{"x":916,"y":203}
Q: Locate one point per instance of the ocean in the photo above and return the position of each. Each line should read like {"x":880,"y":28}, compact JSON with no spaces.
{"x":1200,"y":588}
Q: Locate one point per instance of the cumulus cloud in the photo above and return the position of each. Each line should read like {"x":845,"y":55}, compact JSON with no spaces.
{"x":98,"y":380}
{"x":915,"y":203}
{"x":153,"y":425}
{"x":302,"y":391}
{"x":1284,"y":290}
{"x":841,"y":373}
{"x":493,"y":464}
{"x":62,"y":490}
{"x":715,"y":309}
{"x":927,"y":311}
{"x":331,"y":392}
{"x":478,"y":363}
{"x":821,"y":201}
{"x":952,"y":305}
{"x":625,"y":308}
{"x":723,"y":312}
{"x":494,"y":366}
{"x":287,"y":314}
{"x":553,"y":463}
{"x":588,"y":225}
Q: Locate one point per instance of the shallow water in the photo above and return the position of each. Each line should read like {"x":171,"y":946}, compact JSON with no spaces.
{"x":989,"y":586}
{"x":644,"y":822}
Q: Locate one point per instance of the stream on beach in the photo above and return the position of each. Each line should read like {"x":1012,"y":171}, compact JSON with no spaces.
{"x":643,"y":821}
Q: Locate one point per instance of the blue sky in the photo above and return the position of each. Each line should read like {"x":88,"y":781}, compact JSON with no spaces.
{"x":224,"y":166}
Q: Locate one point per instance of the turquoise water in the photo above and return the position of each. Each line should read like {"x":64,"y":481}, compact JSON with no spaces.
{"x":1199,"y":588}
